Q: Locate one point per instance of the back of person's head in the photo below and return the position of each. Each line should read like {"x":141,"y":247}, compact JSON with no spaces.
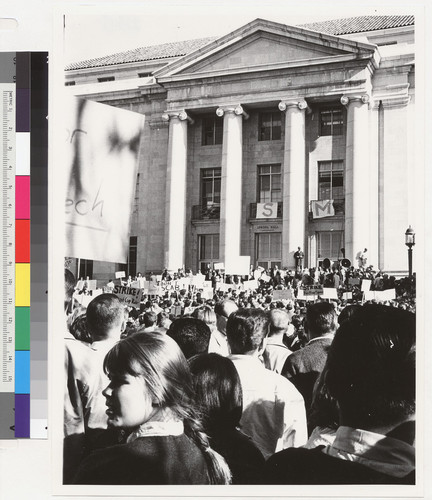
{"x":206,"y":313}
{"x":191,"y":334}
{"x":79,"y":329}
{"x":347,"y":312}
{"x":69,"y":287}
{"x":320,"y":319}
{"x":150,"y":318}
{"x":371,"y":367}
{"x":160,"y":362}
{"x":223,"y":309}
{"x":279,"y":321}
{"x":105,"y":316}
{"x":217,"y":390}
{"x":246,"y":330}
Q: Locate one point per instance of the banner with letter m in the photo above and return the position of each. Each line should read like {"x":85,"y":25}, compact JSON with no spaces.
{"x":322,"y":208}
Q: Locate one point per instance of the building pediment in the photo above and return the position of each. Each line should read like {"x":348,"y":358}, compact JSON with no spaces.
{"x":264,"y":45}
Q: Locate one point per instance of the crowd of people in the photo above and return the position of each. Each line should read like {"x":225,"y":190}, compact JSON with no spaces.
{"x":240,"y":387}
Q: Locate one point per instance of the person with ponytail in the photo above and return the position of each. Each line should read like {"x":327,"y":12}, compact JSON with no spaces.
{"x":150,"y":399}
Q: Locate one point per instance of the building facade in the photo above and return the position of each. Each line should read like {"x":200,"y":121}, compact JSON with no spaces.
{"x":267,"y":139}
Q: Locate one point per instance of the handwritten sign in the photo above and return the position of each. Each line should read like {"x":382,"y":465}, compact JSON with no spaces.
{"x":366,"y":285}
{"x":120,"y":274}
{"x":282,"y":295}
{"x":329,"y":293}
{"x":128,"y":295}
{"x":102,"y":144}
{"x":313,"y":290}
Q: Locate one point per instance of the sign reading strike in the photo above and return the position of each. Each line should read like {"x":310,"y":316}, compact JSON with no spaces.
{"x":128,"y":295}
{"x":102,"y":144}
{"x":267,"y":210}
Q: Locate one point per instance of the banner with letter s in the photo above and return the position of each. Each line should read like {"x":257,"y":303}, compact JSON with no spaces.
{"x":266,"y":210}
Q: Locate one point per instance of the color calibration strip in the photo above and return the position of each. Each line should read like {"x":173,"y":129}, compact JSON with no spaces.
{"x":28,"y":407}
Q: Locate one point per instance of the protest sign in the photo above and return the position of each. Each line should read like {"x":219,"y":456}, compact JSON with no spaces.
{"x":92,"y":284}
{"x":239,"y":265}
{"x":387,"y":294}
{"x":329,"y":293}
{"x":250,"y":285}
{"x":207,"y":293}
{"x":347,"y":295}
{"x":369,"y":295}
{"x":366,"y":285}
{"x":101,"y":170}
{"x":282,"y":295}
{"x":128,"y":295}
{"x":313,"y":290}
{"x":218,"y":265}
{"x":265,"y":278}
{"x":120,"y":274}
{"x":197,"y":280}
{"x":353,"y":281}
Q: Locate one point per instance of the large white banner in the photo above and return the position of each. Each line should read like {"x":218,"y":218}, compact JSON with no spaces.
{"x":102,"y":145}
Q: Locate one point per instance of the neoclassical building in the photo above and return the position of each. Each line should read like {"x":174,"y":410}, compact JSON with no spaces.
{"x":267,"y":139}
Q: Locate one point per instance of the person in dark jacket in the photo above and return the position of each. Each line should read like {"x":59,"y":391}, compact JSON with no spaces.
{"x":370,"y":372}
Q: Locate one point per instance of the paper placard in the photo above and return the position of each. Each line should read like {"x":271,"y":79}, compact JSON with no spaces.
{"x":250,"y":285}
{"x":387,"y":294}
{"x":198,"y":280}
{"x":176,"y":310}
{"x":128,"y":295}
{"x":369,"y":295}
{"x":353,"y":281}
{"x":218,"y":265}
{"x":207,"y":293}
{"x":366,"y":285}
{"x":265,"y":278}
{"x":239,"y":266}
{"x":347,"y":295}
{"x":282,"y":295}
{"x":313,"y":290}
{"x":120,"y":274}
{"x":329,"y":293}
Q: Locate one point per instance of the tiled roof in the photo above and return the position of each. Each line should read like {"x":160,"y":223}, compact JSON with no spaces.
{"x":359,"y":24}
{"x":152,"y":52}
{"x":176,"y":49}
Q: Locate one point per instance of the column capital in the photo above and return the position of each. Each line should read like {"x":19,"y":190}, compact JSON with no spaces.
{"x":349,"y":98}
{"x":180,"y":115}
{"x":301,"y":104}
{"x":236,"y":109}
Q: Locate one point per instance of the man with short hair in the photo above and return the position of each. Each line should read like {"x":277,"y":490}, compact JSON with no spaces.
{"x":218,"y":340}
{"x":371,"y":374}
{"x":273,"y":410}
{"x":276,"y":351}
{"x":191,"y":334}
{"x":85,"y":407}
{"x":303,"y":366}
{"x":149,"y":320}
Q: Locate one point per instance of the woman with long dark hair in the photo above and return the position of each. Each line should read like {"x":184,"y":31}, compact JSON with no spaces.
{"x":150,"y":398}
{"x":218,"y":392}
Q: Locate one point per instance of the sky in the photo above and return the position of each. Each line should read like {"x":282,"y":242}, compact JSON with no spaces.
{"x":92,"y":31}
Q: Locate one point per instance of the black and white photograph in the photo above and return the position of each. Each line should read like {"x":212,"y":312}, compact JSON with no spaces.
{"x":241,"y":205}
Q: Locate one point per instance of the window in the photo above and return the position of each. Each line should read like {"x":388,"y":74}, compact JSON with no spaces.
{"x":106,"y":79}
{"x":144,"y":75}
{"x":130,"y":268}
{"x":269,"y":183}
{"x":210,"y":187}
{"x":268,"y":249}
{"x":331,"y":180}
{"x":85,"y":268}
{"x":269,"y":124}
{"x":212,"y":130}
{"x":331,"y":122}
{"x":208,"y":250}
{"x":329,"y":245}
{"x":70,"y":83}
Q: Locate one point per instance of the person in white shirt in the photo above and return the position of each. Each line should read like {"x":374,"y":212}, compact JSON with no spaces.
{"x":273,"y":410}
{"x":218,"y":340}
{"x":276,"y":352}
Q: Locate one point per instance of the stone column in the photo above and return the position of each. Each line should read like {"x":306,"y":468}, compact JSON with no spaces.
{"x":294,"y":181}
{"x":231,"y":184}
{"x":357,"y":206}
{"x":175,"y":202}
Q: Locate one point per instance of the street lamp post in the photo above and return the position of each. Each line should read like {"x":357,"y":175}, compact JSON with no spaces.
{"x":410,"y":242}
